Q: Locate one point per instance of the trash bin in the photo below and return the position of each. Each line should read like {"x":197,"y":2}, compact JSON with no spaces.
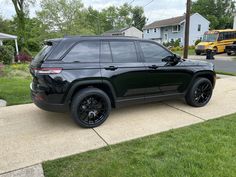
{"x":210,"y":54}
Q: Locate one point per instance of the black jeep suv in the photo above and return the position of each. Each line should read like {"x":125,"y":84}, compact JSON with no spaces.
{"x":89,"y":75}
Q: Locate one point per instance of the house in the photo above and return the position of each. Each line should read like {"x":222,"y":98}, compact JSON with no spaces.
{"x":174,"y":29}
{"x":128,"y":31}
{"x":4,"y":36}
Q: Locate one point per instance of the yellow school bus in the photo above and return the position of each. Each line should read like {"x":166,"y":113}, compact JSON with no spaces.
{"x":216,"y":40}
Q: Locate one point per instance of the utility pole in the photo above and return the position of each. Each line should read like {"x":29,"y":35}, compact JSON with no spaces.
{"x":187,"y":24}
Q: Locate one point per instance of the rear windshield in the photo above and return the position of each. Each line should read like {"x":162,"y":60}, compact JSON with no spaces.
{"x":41,"y":55}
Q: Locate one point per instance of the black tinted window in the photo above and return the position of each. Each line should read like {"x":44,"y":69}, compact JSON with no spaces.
{"x":123,"y":51}
{"x":105,"y":52}
{"x":87,"y":51}
{"x":153,"y":52}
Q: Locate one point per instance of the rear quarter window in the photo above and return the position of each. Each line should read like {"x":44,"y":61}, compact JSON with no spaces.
{"x":84,"y":52}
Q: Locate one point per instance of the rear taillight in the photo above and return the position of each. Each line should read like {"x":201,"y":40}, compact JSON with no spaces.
{"x":47,"y":70}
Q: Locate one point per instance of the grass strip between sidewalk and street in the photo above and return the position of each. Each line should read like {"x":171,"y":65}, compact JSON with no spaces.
{"x":206,"y":149}
{"x":226,"y":73}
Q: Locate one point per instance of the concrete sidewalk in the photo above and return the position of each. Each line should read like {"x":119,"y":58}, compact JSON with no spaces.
{"x":30,"y":136}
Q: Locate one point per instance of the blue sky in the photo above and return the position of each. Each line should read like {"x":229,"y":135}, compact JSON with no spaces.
{"x":158,"y":9}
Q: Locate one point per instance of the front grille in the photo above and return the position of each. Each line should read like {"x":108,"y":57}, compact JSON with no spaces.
{"x":201,"y":47}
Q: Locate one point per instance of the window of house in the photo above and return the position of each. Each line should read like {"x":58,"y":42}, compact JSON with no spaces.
{"x":147,"y":30}
{"x":176,"y":28}
{"x":87,"y":51}
{"x":123,"y":51}
{"x":155,"y":30}
{"x":199,"y":27}
{"x":153,"y":52}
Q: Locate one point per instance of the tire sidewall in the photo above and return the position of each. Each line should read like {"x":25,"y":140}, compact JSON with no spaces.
{"x":190,"y":95}
{"x":77,"y":100}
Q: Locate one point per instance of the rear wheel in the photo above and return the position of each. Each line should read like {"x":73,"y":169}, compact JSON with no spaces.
{"x":200,"y":93}
{"x":90,"y":107}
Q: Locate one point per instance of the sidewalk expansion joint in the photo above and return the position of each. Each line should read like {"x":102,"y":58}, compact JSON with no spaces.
{"x":101,"y":137}
{"x":184,"y":111}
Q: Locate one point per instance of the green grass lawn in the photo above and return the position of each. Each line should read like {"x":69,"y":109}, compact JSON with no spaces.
{"x":15,"y":90}
{"x":203,"y":150}
{"x":180,"y":53}
{"x":14,"y":84}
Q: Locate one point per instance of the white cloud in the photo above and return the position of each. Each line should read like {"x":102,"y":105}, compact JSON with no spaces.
{"x":158,"y":9}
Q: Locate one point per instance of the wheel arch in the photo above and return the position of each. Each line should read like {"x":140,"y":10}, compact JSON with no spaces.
{"x":78,"y":85}
{"x":204,"y":74}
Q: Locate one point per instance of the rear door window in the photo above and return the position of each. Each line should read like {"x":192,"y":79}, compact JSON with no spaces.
{"x":123,"y":52}
{"x":105,"y":52}
{"x":84,"y":52}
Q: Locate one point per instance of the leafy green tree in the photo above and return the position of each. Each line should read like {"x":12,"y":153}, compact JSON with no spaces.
{"x":21,"y":9}
{"x":138,"y":18}
{"x":218,"y":12}
{"x":63,"y":17}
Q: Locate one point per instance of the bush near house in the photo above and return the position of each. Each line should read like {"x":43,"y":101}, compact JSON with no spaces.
{"x":24,"y":56}
{"x":6,"y":54}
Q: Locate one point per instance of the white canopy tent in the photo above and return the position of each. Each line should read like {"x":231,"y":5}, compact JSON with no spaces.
{"x":4,"y":36}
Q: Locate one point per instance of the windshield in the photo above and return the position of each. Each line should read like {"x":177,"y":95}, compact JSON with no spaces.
{"x":210,"y":37}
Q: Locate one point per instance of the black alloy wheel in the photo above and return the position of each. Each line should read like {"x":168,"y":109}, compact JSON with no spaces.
{"x":200,"y":93}
{"x":90,"y":107}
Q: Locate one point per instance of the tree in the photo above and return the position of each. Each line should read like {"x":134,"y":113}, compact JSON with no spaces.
{"x":218,"y":12}
{"x":21,"y":8}
{"x":138,"y":18}
{"x":62,"y":16}
{"x":125,"y":15}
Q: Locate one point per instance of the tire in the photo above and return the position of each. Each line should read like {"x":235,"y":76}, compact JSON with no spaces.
{"x":229,"y":53}
{"x":216,"y":50}
{"x":198,"y":53}
{"x":90,"y":107}
{"x":200,"y":93}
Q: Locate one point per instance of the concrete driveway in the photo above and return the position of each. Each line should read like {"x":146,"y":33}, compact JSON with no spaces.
{"x":29,"y":135}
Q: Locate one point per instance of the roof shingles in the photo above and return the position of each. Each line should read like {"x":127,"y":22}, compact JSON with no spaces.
{"x":166,"y":22}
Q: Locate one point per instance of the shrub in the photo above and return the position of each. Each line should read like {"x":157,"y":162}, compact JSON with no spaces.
{"x":23,"y":57}
{"x":6,"y":54}
{"x":172,"y":43}
{"x":33,"y":45}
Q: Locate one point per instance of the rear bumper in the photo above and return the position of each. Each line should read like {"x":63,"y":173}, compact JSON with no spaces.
{"x":37,"y":98}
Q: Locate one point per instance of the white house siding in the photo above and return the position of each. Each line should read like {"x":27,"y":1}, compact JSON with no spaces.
{"x":172,"y":35}
{"x":152,"y":34}
{"x":133,"y":32}
{"x":195,"y":20}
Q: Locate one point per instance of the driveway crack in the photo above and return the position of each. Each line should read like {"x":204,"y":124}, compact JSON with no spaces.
{"x":184,"y":111}
{"x":101,"y":137}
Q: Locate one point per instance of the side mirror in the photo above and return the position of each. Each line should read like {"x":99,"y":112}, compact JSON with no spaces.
{"x":168,"y":59}
{"x":172,"y":59}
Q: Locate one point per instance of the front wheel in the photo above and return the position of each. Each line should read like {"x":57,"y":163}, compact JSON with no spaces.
{"x":90,"y":107}
{"x":200,"y":93}
{"x":198,"y":53}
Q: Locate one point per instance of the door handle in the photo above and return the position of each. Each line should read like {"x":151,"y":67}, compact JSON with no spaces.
{"x":112,"y":68}
{"x":153,"y":67}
